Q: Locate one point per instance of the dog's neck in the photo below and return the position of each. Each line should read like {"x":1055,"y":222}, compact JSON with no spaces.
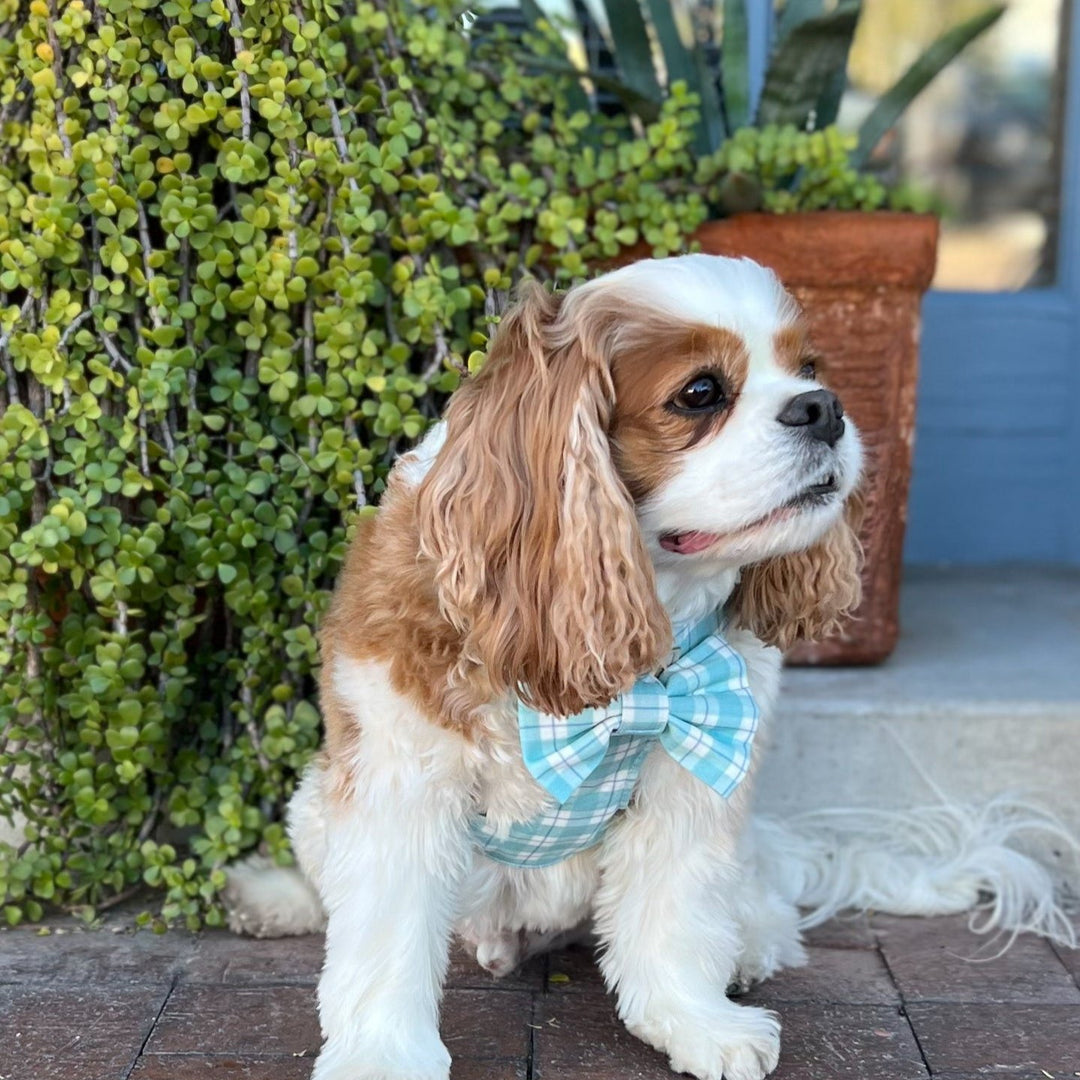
{"x":690,"y":591}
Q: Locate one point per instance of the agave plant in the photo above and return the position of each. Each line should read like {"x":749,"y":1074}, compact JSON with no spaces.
{"x":804,"y":81}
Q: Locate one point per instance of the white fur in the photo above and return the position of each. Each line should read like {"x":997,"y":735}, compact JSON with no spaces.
{"x":414,"y":465}
{"x":668,"y":912}
{"x":264,"y":900}
{"x":393,"y":864}
{"x":738,"y":295}
{"x":683,"y":900}
{"x":930,"y":860}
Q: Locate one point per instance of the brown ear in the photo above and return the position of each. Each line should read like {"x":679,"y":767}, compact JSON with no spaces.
{"x":808,"y":594}
{"x":538,"y":557}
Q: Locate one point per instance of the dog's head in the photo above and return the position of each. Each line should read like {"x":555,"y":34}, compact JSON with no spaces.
{"x":667,"y":414}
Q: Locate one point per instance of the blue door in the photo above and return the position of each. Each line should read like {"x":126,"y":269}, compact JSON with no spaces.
{"x":997,"y":462}
{"x":997,"y":138}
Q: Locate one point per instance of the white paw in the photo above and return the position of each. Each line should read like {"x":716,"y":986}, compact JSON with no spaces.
{"x":734,"y":1043}
{"x":406,"y":1059}
{"x":502,"y":952}
{"x":771,"y":939}
{"x":756,"y":964}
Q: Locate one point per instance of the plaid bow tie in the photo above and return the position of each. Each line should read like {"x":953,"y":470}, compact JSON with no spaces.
{"x":700,"y":707}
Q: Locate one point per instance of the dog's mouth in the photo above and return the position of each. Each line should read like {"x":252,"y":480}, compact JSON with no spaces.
{"x":693,"y":541}
{"x":816,"y":493}
{"x":689,"y":543}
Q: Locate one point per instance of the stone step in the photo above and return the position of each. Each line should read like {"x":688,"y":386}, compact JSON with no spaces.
{"x":981,"y":697}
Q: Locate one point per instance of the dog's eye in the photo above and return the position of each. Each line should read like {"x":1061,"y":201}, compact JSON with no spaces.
{"x":700,"y":393}
{"x":808,"y":370}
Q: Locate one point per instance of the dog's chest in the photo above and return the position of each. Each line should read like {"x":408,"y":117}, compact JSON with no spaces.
{"x":506,"y":792}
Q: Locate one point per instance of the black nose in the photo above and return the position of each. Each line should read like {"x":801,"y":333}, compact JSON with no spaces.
{"x":819,"y":412}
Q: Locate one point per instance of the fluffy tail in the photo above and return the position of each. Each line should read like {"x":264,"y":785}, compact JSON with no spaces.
{"x":932,"y":860}
{"x":264,"y":900}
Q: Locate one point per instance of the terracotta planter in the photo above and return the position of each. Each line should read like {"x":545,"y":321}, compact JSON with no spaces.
{"x":860,"y":279}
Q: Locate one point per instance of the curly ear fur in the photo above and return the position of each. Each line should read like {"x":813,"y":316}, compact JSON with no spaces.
{"x":808,"y":594}
{"x":538,"y":559}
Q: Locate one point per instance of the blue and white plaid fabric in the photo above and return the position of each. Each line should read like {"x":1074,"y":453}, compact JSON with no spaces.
{"x":699,"y":708}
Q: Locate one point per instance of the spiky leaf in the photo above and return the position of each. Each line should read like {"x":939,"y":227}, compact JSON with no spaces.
{"x":734,"y":64}
{"x":806,"y":64}
{"x":928,"y":66}
{"x":690,"y":66}
{"x":678,"y":59}
{"x":633,"y":49}
{"x":795,"y":12}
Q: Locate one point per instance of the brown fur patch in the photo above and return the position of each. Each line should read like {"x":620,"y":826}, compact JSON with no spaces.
{"x":538,"y":558}
{"x":793,"y":348}
{"x":806,"y":595}
{"x":646,"y":435}
{"x":386,"y":608}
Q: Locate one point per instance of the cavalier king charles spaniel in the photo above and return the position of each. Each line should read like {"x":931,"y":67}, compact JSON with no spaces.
{"x":643,"y":452}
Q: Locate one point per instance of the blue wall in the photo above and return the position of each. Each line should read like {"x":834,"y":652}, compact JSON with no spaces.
{"x":997,"y":455}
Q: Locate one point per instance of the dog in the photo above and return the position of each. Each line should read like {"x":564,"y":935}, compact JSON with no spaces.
{"x":646,"y":452}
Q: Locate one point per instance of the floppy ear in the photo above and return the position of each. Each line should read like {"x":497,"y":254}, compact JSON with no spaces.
{"x":538,"y":558}
{"x":808,"y":594}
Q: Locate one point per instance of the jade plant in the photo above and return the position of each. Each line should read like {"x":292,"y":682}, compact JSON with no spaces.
{"x":246,"y":250}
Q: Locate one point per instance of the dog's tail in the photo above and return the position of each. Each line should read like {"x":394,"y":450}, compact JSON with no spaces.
{"x":932,"y":860}
{"x":264,"y":900}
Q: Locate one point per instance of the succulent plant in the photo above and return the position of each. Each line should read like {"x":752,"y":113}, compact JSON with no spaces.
{"x":246,"y":249}
{"x":804,"y":82}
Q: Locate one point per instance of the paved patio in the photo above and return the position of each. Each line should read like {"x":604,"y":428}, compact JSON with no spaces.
{"x":882,"y":999}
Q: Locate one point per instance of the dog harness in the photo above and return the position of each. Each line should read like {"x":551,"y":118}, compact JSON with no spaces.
{"x":699,"y":709}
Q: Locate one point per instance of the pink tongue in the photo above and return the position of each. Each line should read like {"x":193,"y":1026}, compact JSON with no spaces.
{"x":688,"y":543}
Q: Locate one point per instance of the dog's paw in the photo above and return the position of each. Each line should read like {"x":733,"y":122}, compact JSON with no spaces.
{"x":735,"y":1043}
{"x":501,"y":953}
{"x":761,"y":960}
{"x":412,"y":1059}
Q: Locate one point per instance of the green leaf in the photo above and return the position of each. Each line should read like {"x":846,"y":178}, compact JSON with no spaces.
{"x":712,"y":130}
{"x":101,"y":588}
{"x":633,"y":49}
{"x":795,"y":12}
{"x":734,"y":64}
{"x":678,"y":59}
{"x":805,"y":66}
{"x":531,"y":10}
{"x":938,"y":55}
{"x":576,"y":97}
{"x":647,"y":108}
{"x":129,"y":711}
{"x":689,"y":65}
{"x":828,"y":106}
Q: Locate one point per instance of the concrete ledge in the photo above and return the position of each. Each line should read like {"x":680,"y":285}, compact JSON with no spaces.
{"x":981,"y":697}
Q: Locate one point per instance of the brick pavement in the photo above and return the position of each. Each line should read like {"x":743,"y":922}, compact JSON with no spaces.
{"x":882,"y":999}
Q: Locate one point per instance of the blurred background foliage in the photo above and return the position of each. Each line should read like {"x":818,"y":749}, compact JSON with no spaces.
{"x":246,"y":250}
